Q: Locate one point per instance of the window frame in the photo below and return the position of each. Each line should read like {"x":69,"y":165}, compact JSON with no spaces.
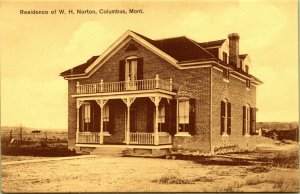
{"x":226,"y":118}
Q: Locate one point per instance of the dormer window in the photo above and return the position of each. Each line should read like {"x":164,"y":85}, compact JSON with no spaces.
{"x":246,"y":68}
{"x":225,"y":57}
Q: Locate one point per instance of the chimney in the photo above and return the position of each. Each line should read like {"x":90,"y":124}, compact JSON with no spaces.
{"x":234,"y":59}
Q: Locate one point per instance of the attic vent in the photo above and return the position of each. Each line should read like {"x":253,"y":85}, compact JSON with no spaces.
{"x":131,"y":47}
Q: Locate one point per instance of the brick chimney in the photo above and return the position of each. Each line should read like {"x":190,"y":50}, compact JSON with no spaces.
{"x":234,"y":59}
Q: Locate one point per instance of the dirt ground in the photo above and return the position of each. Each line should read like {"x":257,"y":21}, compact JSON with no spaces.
{"x":129,"y":174}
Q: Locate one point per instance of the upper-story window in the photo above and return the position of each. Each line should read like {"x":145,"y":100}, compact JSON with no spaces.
{"x":225,"y":74}
{"x":131,"y":68}
{"x":248,"y":84}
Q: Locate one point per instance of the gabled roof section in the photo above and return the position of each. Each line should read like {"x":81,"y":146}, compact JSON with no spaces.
{"x":178,"y":50}
{"x":216,"y":43}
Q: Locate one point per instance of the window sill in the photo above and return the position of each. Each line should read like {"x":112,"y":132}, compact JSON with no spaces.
{"x":106,"y":134}
{"x":226,"y":80}
{"x":247,"y":88}
{"x":247,"y":135}
{"x":225,"y":135}
{"x":183,"y":134}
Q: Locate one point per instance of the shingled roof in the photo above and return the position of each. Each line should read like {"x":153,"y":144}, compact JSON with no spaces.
{"x":175,"y":47}
{"x":80,"y":69}
{"x":215,"y":43}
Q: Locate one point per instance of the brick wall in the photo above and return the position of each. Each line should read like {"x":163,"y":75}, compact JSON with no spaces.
{"x":195,"y":81}
{"x":235,"y":92}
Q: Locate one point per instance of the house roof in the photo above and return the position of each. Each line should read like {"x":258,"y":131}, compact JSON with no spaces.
{"x":174,"y":47}
{"x":215,"y":43}
{"x":80,"y":68}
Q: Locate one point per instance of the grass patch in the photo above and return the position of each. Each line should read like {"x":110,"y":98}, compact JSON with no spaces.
{"x":283,"y":160}
{"x":282,"y":181}
{"x":259,"y":169}
{"x":172,"y":179}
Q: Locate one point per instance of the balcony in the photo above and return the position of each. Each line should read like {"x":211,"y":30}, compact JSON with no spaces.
{"x":146,"y":84}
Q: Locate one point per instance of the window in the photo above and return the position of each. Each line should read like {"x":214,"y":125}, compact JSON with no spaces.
{"x":247,"y":69}
{"x":131,"y":69}
{"x":225,"y":57}
{"x":86,"y":117}
{"x":225,"y":117}
{"x":161,"y":117}
{"x":249,"y":120}
{"x":225,"y":74}
{"x":248,"y":84}
{"x":106,"y":118}
{"x":246,"y":120}
{"x":183,"y":115}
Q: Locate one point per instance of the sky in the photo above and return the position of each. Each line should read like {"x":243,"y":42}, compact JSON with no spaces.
{"x":34,"y":49}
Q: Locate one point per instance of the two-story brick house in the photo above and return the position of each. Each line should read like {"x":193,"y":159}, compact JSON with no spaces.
{"x":156,"y":95}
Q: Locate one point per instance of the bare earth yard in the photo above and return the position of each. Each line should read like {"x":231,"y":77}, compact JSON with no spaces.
{"x":124,"y":174}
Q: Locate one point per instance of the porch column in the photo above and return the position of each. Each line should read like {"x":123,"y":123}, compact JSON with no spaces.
{"x":128,"y":102}
{"x":127,"y":138}
{"x":78,"y":104}
{"x":156,"y":101}
{"x":101,"y":103}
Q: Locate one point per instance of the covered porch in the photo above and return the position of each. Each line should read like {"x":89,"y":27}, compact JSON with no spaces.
{"x":141,"y":119}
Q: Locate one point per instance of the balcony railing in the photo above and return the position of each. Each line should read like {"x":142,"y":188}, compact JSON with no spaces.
{"x":146,"y":84}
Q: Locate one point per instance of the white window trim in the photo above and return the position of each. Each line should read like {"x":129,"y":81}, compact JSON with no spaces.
{"x":106,"y":133}
{"x":247,"y":124}
{"x":226,"y":80}
{"x":225,"y":133}
{"x":183,"y":134}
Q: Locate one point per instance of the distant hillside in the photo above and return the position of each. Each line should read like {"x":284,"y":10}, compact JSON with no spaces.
{"x":278,"y":125}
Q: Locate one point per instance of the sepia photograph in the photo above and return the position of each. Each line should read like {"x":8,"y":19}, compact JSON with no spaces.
{"x":149,"y":96}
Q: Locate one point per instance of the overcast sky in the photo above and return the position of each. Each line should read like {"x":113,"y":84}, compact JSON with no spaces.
{"x":36,"y":48}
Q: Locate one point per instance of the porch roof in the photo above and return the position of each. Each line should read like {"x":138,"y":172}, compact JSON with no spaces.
{"x":127,"y":94}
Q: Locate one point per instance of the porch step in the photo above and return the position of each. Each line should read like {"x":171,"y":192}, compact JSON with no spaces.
{"x":108,"y":151}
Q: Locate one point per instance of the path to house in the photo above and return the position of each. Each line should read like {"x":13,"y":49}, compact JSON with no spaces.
{"x":46,"y":159}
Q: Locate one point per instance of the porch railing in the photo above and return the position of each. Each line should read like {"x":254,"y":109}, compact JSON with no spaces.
{"x":148,"y":138}
{"x":135,"y":138}
{"x":141,"y":138}
{"x":146,"y":84}
{"x":88,"y":137}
